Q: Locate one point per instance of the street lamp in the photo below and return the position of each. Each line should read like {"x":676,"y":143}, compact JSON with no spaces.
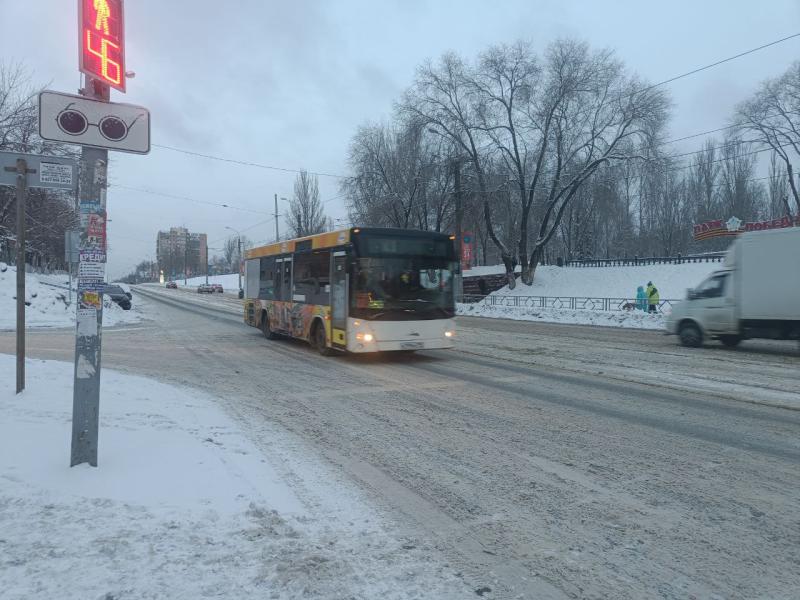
{"x":239,"y":266}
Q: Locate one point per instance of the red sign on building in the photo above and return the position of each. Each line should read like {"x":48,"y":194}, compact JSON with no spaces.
{"x":102,"y":46}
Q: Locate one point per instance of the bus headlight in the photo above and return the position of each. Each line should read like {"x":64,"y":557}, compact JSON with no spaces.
{"x":364,"y":337}
{"x":449,"y":334}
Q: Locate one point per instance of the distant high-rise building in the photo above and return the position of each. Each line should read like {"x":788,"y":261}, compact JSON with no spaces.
{"x":181,"y":253}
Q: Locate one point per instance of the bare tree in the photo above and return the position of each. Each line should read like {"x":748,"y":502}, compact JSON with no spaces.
{"x":305,"y":211}
{"x":778,"y":188}
{"x":551,"y":124}
{"x":230,"y":249}
{"x":772,"y":115}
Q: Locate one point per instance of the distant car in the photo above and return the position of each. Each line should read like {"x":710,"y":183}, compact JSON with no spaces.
{"x":217,"y":287}
{"x":171,"y":285}
{"x":205,"y":288}
{"x":118,"y":295}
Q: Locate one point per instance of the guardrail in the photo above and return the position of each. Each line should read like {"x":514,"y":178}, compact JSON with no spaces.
{"x":565,"y":302}
{"x":647,"y":260}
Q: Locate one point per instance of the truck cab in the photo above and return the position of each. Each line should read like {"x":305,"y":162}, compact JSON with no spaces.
{"x":709,"y":311}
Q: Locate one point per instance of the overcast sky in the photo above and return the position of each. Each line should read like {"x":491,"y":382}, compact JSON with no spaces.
{"x":287,"y":83}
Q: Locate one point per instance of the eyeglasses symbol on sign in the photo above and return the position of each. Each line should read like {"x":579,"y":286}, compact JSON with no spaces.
{"x":73,"y":122}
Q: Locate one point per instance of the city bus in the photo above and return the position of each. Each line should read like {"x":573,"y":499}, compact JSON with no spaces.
{"x":355,"y":290}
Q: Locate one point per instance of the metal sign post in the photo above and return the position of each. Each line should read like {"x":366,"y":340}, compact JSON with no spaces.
{"x":52,"y":172}
{"x":22,"y":179}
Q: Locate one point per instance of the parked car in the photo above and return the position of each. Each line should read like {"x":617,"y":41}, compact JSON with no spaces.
{"x":125,"y":288}
{"x":205,"y":288}
{"x":171,"y":285}
{"x":217,"y":287}
{"x":118,"y":295}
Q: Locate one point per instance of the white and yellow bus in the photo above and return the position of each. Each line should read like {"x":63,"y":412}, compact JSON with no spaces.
{"x":355,"y":290}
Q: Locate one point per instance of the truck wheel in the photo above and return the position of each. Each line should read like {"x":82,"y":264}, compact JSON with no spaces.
{"x":265,"y":328}
{"x":690,"y":335}
{"x":731,"y":341}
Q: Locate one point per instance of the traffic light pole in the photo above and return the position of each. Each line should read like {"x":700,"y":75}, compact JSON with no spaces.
{"x":91,"y":283}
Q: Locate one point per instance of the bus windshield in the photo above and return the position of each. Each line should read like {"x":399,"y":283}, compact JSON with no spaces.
{"x":402,"y":289}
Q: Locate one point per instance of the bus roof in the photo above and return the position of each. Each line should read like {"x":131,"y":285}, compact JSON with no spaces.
{"x":332,"y":239}
{"x":329,"y":239}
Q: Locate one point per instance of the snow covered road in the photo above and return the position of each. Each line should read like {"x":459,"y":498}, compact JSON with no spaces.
{"x":538,"y":460}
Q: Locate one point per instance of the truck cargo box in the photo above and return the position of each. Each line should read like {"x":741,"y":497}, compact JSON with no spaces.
{"x":767,"y":274}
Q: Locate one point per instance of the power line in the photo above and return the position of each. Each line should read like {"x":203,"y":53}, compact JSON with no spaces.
{"x":189,"y":199}
{"x":715,"y":64}
{"x":246,"y":163}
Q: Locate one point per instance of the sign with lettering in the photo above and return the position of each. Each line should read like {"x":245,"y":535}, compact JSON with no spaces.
{"x":734,"y":226}
{"x":91,"y":270}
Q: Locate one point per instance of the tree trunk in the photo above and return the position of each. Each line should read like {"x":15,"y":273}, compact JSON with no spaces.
{"x":536,"y":257}
{"x":792,"y":185}
{"x":525,"y":276}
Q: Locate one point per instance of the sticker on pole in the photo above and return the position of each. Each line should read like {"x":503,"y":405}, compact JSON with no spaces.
{"x":55,"y":173}
{"x":87,"y":122}
{"x":91,"y":270}
{"x":87,"y":321}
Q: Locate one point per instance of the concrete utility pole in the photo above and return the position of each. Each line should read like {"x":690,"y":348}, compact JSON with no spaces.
{"x":91,"y":283}
{"x":185,"y":259}
{"x":277,"y":236}
{"x":239,"y":266}
{"x":22,"y":184}
{"x":459,"y":233}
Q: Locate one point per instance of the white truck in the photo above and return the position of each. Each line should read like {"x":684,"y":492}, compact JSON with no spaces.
{"x":755,"y":295}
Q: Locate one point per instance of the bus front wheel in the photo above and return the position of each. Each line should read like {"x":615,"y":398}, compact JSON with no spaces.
{"x":320,"y":339}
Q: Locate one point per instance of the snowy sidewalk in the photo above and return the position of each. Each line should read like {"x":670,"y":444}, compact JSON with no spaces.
{"x":182,"y":505}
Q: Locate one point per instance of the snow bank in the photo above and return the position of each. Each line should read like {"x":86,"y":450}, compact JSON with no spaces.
{"x":182,"y":505}
{"x":629,"y":319}
{"x":672,"y":281}
{"x":48,"y":303}
{"x":229,"y":281}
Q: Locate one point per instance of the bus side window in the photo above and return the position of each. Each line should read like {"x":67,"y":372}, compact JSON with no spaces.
{"x":312,"y":278}
{"x":266,"y":279}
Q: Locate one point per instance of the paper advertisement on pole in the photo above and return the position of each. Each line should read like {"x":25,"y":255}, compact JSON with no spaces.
{"x":87,"y":322}
{"x":91,"y":270}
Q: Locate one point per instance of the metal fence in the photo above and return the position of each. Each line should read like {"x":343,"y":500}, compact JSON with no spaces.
{"x":565,"y":302}
{"x":647,"y":260}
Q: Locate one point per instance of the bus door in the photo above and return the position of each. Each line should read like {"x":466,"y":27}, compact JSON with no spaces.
{"x":283,"y":293}
{"x":339,"y":283}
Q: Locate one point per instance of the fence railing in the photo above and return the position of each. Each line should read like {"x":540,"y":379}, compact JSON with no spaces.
{"x":566,"y":302}
{"x":647,"y":260}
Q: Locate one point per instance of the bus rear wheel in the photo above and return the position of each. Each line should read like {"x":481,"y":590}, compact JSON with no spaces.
{"x":320,"y":339}
{"x":265,"y":328}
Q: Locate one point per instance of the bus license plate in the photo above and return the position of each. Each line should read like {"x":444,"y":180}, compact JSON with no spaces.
{"x":411,"y":345}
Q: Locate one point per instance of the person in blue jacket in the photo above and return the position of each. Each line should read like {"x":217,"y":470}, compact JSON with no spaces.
{"x":641,"y":299}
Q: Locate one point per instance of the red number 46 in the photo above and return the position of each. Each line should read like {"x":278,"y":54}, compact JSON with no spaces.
{"x":109,"y":68}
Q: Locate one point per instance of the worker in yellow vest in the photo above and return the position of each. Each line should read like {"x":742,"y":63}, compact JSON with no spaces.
{"x":652,"y":297}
